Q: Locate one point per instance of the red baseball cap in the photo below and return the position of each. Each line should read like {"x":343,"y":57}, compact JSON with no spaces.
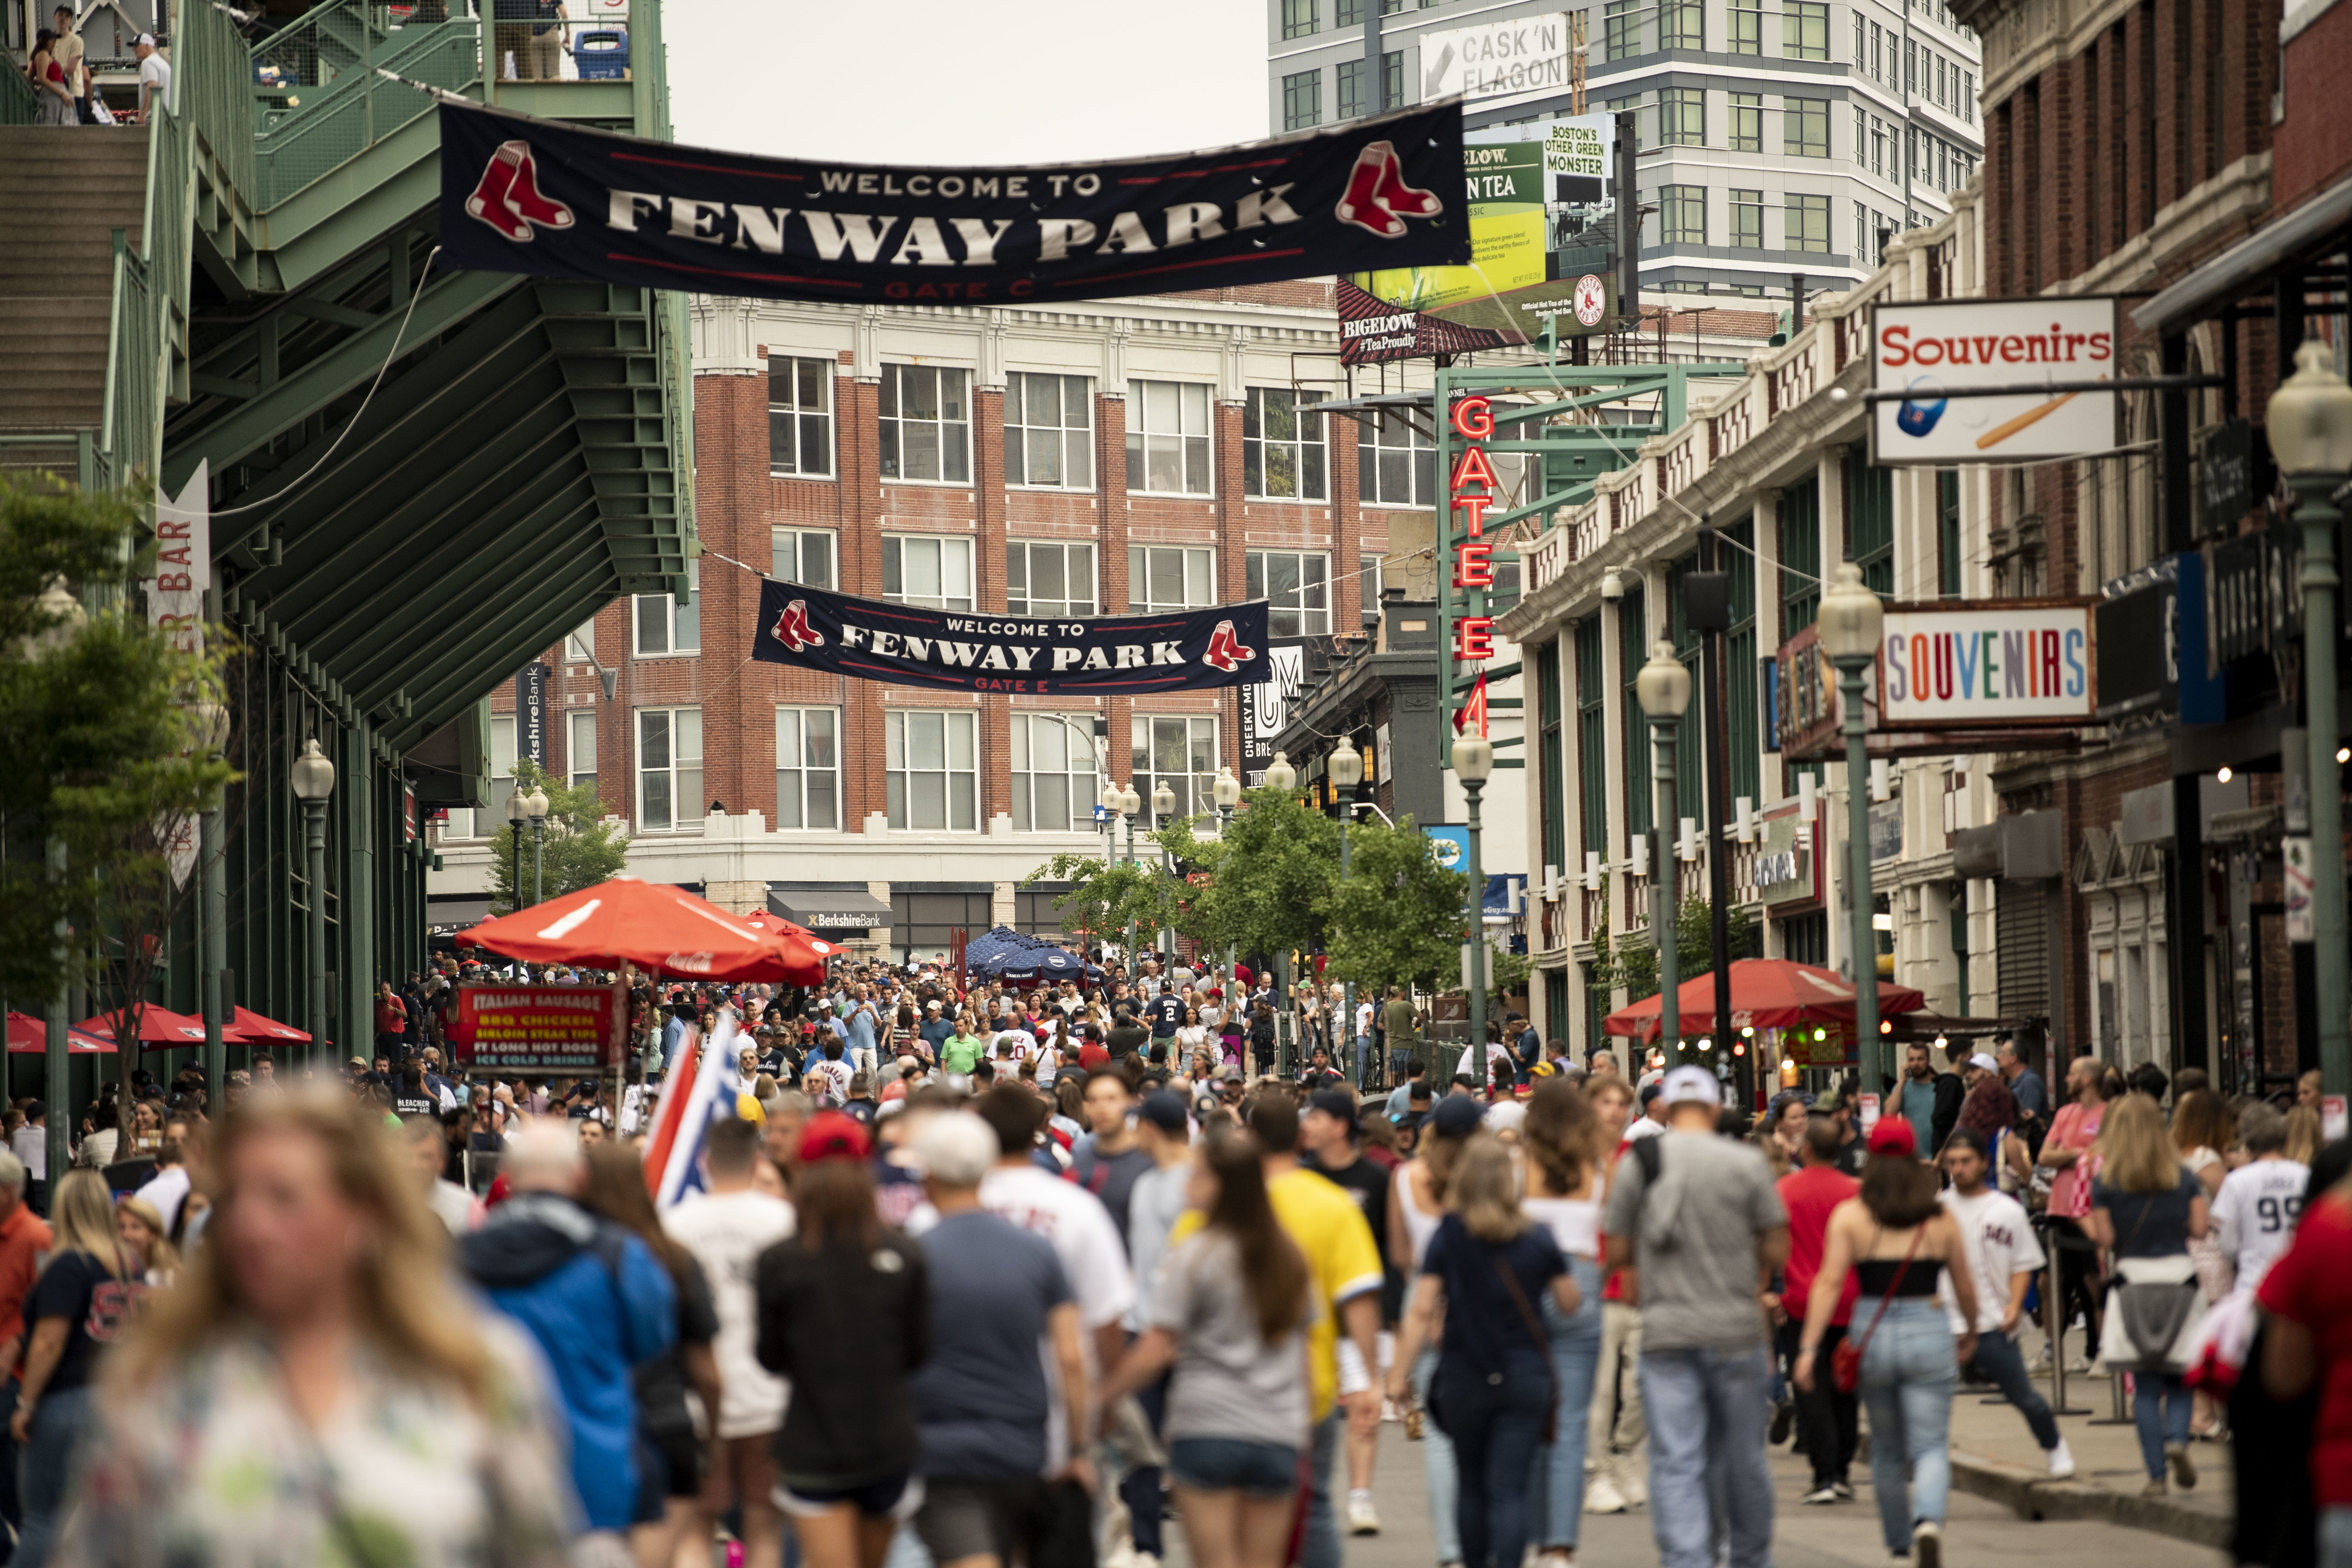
{"x":831,"y":1135}
{"x":1893,"y":1136}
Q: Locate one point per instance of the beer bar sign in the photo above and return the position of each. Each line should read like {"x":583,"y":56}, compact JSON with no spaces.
{"x":534,"y":1030}
{"x":1986,"y":664}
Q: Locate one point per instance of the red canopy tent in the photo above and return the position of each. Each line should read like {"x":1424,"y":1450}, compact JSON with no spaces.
{"x":659,"y":929}
{"x":157,"y":1027}
{"x":1766,"y":993}
{"x":247,"y":1027}
{"x":29,"y":1036}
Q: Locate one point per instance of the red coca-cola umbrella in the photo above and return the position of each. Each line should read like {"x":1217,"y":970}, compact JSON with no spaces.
{"x":29,"y":1036}
{"x":659,"y":929}
{"x":1766,"y":993}
{"x":156,"y":1027}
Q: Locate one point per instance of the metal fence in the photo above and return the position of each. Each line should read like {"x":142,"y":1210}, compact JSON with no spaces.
{"x":319,"y":129}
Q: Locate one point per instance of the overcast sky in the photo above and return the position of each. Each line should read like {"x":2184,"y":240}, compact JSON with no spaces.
{"x":966,"y":81}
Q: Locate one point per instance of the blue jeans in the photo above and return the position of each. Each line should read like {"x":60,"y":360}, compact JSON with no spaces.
{"x":2335,"y":1536}
{"x":2160,"y":1405}
{"x":46,"y":1467}
{"x":1139,"y":1487}
{"x":1498,"y":1430}
{"x":1575,"y":1361}
{"x":1708,"y":1410}
{"x":1437,"y":1465}
{"x":1321,"y":1547}
{"x":1363,"y":1060}
{"x":1908,"y":1377}
{"x":1999,"y":1362}
{"x":1264,"y":1470}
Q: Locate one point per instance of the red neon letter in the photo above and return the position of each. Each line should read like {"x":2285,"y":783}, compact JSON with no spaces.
{"x":1474,"y":511}
{"x":1473,"y":469}
{"x":1473,"y":566}
{"x":1474,"y":638}
{"x":1474,"y":418}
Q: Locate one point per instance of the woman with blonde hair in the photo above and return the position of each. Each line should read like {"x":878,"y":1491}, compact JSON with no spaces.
{"x":140,"y":1225}
{"x":1495,"y":1389}
{"x":2146,"y":1207}
{"x":314,"y":1374}
{"x":2303,"y":1134}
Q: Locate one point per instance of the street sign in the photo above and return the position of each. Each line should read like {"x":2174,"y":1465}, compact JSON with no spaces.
{"x":1451,"y":846}
{"x":1992,"y":663}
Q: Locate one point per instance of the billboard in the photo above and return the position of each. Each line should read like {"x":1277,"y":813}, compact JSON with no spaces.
{"x":532,"y":1029}
{"x":1267,"y":707}
{"x":1925,"y":357}
{"x":1494,"y":60}
{"x":1985,"y":666}
{"x":1505,"y":292}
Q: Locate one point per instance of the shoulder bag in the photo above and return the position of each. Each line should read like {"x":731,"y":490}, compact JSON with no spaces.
{"x":1543,"y":1346}
{"x":1845,"y":1362}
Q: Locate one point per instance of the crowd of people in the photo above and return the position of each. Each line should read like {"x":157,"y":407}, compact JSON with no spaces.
{"x":974,"y":1276}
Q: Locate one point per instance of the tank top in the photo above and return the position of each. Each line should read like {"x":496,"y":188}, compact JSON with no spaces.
{"x":1574,"y":1222}
{"x":1418,"y":1227}
{"x":1876,"y":1276}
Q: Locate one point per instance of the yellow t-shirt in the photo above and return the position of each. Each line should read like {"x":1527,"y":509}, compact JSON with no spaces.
{"x":1328,"y":1227}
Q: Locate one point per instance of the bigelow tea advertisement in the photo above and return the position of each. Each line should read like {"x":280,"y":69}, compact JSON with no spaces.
{"x":1927,"y":357}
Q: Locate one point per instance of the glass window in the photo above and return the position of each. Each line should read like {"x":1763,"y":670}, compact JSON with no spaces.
{"x":1302,"y":100}
{"x":580,"y":748}
{"x":1801,"y":556}
{"x":1742,"y":746}
{"x":669,"y":769}
{"x":1368,"y":583}
{"x":933,"y":782}
{"x":1805,"y":30}
{"x":800,"y":417}
{"x":1049,"y":431}
{"x":1633,"y":653}
{"x":801,"y":555}
{"x":1396,"y":463}
{"x":1349,"y":78}
{"x":1297,"y":587}
{"x":1746,"y":122}
{"x":1679,"y":24}
{"x":1168,"y":577}
{"x":1747,"y":220}
{"x":927,"y":570}
{"x":1805,"y":126}
{"x":1298,"y":18}
{"x":1947,"y":533}
{"x":926,"y":424}
{"x":502,"y":779}
{"x":1393,"y":80}
{"x":1053,"y":773}
{"x":579,"y":645}
{"x":1167,"y":438}
{"x":1179,"y":752}
{"x":664,"y":626}
{"x":1870,"y":529}
{"x":1348,"y":14}
{"x":1048,"y":578}
{"x":1877,"y":52}
{"x":808,"y":769}
{"x":1969,"y":97}
{"x":1623,"y":25}
{"x":1681,"y":214}
{"x":1862,"y":236}
{"x":1591,"y":739}
{"x":1746,"y":19}
{"x":1861,"y":137}
{"x":1808,"y":223}
{"x":1284,"y":456}
{"x":1682,"y":117}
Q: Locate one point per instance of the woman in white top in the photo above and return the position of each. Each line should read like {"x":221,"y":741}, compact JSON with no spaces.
{"x":1189,"y":1035}
{"x":1562,"y":1136}
{"x":1416,"y":1206}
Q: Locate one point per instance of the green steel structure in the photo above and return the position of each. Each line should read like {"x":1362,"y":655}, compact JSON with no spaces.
{"x":419,"y":478}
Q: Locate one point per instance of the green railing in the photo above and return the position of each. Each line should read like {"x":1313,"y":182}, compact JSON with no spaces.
{"x":212,"y":72}
{"x":19,"y":101}
{"x":328,"y":42}
{"x":131,"y":439}
{"x":359,"y":108}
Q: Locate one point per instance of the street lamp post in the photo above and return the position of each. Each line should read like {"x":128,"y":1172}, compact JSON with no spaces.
{"x":1130,"y":803}
{"x":534,"y":806}
{"x":1346,"y":773}
{"x":1473,"y":764}
{"x":517,"y":813}
{"x":313,"y":778}
{"x":2310,"y":430}
{"x":211,"y":909}
{"x":1280,"y":775}
{"x":1664,"y":688}
{"x":1163,"y":807}
{"x":1851,"y":618}
{"x":1227,"y":793}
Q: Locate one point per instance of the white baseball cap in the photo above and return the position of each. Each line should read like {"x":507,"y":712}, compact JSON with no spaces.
{"x":1984,"y":1061}
{"x":1692,"y":1085}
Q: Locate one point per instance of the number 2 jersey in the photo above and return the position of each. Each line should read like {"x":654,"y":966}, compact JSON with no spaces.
{"x":2255,"y":1214}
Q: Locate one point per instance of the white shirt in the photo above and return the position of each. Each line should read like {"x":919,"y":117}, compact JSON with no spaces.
{"x":31,"y":1145}
{"x":155,"y":76}
{"x":726,"y":1231}
{"x":2255,"y":1214}
{"x":1364,"y":1019}
{"x":1999,"y":1243}
{"x":169,"y":1189}
{"x":830,"y":1080}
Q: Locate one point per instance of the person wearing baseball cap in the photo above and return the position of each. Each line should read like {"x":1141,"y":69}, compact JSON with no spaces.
{"x":1698,"y":1216}
{"x":1894,"y":1237}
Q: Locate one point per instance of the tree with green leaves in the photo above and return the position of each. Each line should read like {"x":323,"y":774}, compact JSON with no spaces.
{"x":1106,"y":898}
{"x":1631,"y":962}
{"x":1266,"y":880}
{"x":1397,"y":918}
{"x":581,"y":849}
{"x":1506,"y":974}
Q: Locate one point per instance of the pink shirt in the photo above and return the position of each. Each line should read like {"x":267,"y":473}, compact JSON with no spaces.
{"x":2076,"y":1126}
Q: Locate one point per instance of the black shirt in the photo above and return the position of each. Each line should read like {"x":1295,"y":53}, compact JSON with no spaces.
{"x":96,"y":1306}
{"x":1165,"y":1012}
{"x":661,"y":1382}
{"x":851,"y":1419}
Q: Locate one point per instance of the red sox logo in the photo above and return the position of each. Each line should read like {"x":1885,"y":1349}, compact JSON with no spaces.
{"x":507,"y":197}
{"x":793,"y":628}
{"x":1224,"y":653}
{"x":1377,"y":199}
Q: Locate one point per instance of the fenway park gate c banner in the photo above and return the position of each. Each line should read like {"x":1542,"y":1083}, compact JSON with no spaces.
{"x":538,"y":196}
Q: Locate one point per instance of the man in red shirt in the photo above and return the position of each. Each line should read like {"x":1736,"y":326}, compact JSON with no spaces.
{"x":2309,"y":1292}
{"x":1091,"y":1053}
{"x":1828,"y":1422}
{"x":24,"y":1238}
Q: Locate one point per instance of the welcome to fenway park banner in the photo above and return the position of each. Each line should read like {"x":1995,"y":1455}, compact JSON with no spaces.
{"x":523,"y":194}
{"x":1110,"y":656}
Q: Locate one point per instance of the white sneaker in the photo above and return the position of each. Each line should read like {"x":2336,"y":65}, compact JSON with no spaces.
{"x":1631,"y":1481}
{"x":1361,"y":1519}
{"x":2062,"y":1461}
{"x":1601,"y":1493}
{"x":1928,"y":1544}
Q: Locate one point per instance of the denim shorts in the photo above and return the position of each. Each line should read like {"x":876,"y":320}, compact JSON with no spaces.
{"x":1230,"y":1464}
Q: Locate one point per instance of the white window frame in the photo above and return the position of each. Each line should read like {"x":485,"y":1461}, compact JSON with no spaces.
{"x":1072,"y":440}
{"x":1307,"y":619}
{"x":1192,"y":786}
{"x":791,"y":551}
{"x":803,"y":778}
{"x":1078,"y":773}
{"x":898,"y":548}
{"x":1197,"y":564}
{"x":904,"y":730}
{"x":577,"y":721}
{"x":673,"y":771}
{"x":951,"y":389}
{"x":580,"y":643}
{"x":807,"y":425}
{"x":682,"y":620}
{"x":1370,"y":573}
{"x":1187,"y":438}
{"x":502,"y":779}
{"x":1375,"y":446}
{"x":1021,"y":560}
{"x":1305,"y":452}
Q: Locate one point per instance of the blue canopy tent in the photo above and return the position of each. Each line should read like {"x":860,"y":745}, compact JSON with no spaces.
{"x":1004,"y":954}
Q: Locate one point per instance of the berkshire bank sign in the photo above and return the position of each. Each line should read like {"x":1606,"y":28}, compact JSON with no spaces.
{"x":553,"y":200}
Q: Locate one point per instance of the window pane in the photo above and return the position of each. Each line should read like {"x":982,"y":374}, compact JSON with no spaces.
{"x":1163,"y":463}
{"x":1016,"y":574}
{"x":824,"y":799}
{"x":1078,"y":467}
{"x":920,"y":445}
{"x":688,"y":635}
{"x":927,"y":799}
{"x":1051,"y":577}
{"x":653,"y":623}
{"x":1082,"y":580}
{"x":893,"y":744}
{"x":1050,"y":750}
{"x":1014,"y":472}
{"x":1159,"y":407}
{"x":1198,"y":578}
{"x":1282,"y":577}
{"x":1254,"y":575}
{"x":817,"y":387}
{"x":960,"y":726}
{"x":922,"y":568}
{"x":818,"y":735}
{"x":658,"y":814}
{"x":1045,"y":458}
{"x":1196,"y":465}
{"x":817,"y":560}
{"x":1167,"y":575}
{"x":653,"y":738}
{"x":927,"y":745}
{"x":689,"y":728}
{"x":583,"y":749}
{"x":963,"y":806}
{"x":1196,"y":408}
{"x":1052,"y":791}
{"x":788,"y":799}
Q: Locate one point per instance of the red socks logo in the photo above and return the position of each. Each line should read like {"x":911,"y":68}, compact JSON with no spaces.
{"x":1377,"y":197}
{"x":507,"y":198}
{"x":1224,"y":653}
{"x":793,"y":628}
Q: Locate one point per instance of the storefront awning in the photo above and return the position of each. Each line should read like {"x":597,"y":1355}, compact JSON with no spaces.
{"x":445,"y":916}
{"x":2247,"y":264}
{"x":828,"y":909}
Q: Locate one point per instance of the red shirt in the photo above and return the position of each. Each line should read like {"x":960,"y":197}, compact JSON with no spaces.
{"x":2311,"y":1284}
{"x":1091,"y":1056}
{"x":1809,"y":1195}
{"x":24,"y":1237}
{"x":391,"y":1018}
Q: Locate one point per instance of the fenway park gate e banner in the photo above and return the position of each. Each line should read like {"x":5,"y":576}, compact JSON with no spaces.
{"x":522,"y":195}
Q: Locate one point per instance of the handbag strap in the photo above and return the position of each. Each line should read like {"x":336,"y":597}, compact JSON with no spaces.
{"x":1893,"y":1285}
{"x":1534,"y":1324}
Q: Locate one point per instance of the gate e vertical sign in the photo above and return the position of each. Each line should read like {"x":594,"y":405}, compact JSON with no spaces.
{"x":1472,"y":486}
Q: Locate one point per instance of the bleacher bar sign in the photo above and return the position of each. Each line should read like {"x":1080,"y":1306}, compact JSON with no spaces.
{"x":1988,"y":664}
{"x":553,"y":200}
{"x":541,"y":1028}
{"x":1927,"y":356}
{"x":1034,"y":655}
